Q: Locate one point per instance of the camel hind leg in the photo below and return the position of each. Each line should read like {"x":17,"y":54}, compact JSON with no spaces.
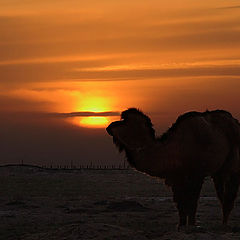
{"x":227,"y":189}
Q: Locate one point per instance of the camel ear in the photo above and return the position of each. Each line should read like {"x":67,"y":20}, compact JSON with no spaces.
{"x":133,"y":116}
{"x":137,"y":119}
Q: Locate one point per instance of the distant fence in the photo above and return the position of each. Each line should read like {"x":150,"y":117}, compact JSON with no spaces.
{"x":75,"y":167}
{"x":90,"y":167}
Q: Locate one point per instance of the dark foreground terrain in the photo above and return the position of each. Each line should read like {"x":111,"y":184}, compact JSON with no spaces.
{"x":99,"y":204}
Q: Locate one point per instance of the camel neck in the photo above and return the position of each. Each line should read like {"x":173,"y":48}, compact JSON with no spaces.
{"x":156,"y":159}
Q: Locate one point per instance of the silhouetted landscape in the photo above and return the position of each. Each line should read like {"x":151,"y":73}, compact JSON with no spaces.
{"x":38,"y":203}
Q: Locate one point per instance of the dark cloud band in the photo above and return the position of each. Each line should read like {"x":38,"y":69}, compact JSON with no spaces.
{"x":85,"y":114}
{"x":230,"y":7}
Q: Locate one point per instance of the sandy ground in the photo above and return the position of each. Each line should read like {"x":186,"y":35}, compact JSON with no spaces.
{"x":100,"y":204}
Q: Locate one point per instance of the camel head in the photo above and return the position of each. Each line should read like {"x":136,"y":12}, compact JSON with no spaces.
{"x":133,"y":131}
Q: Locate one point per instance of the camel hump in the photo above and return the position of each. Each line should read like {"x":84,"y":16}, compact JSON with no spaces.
{"x":218,"y":114}
{"x":219,"y":111}
{"x":219,"y":120}
{"x":226,"y":123}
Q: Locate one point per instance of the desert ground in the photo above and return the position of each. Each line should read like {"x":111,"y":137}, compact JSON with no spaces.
{"x":37,"y":204}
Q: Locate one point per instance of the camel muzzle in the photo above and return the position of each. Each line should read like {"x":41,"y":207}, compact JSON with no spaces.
{"x":116,"y":124}
{"x":108,"y":129}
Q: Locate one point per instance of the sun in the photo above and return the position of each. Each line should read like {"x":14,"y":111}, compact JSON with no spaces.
{"x":95,"y":105}
{"x":94,"y":122}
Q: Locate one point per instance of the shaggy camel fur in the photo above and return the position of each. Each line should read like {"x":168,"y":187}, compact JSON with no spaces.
{"x":196,"y":146}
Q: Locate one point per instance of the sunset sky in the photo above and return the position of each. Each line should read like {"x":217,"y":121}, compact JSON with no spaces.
{"x":69,"y":67}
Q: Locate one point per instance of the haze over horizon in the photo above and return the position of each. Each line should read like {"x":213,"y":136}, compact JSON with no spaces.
{"x":68,"y":68}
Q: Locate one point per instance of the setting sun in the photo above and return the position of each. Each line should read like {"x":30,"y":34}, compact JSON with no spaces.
{"x":94,"y":104}
{"x":96,"y":122}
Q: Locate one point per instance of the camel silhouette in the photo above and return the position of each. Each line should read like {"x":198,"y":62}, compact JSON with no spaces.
{"x":197,"y":145}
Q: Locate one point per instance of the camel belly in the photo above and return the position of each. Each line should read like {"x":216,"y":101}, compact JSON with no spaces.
{"x":208,"y":158}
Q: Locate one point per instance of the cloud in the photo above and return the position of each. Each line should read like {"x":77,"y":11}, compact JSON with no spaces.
{"x":11,"y":77}
{"x":132,"y":74}
{"x":63,"y":59}
{"x":85,"y":114}
{"x":230,"y":7}
{"x":13,"y":103}
{"x":40,"y":114}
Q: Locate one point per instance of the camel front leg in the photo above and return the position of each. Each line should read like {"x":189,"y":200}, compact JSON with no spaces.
{"x":182,"y":214}
{"x":180,"y":200}
{"x":185,"y":195}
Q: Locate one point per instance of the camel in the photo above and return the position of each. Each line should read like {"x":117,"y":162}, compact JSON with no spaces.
{"x":199,"y":144}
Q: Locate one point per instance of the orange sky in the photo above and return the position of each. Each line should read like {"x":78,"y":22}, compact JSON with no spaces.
{"x":165,"y":58}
